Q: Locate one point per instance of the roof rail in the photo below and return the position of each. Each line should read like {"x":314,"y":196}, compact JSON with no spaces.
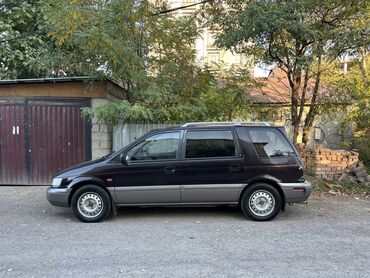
{"x":226,"y":123}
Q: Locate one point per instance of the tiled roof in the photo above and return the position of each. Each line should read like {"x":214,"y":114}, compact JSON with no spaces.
{"x":275,"y":89}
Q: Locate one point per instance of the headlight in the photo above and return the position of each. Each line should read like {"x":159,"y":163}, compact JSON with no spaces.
{"x":56,"y":182}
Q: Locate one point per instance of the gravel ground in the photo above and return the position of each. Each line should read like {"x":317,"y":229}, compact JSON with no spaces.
{"x":329,"y":237}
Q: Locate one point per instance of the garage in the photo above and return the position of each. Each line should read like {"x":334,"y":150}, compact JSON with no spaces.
{"x":42,"y":130}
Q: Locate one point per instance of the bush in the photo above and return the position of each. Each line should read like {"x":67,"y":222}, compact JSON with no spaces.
{"x":363,"y":147}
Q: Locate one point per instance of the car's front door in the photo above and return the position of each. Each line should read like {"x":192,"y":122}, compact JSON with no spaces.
{"x":151,"y":174}
{"x":212,"y":167}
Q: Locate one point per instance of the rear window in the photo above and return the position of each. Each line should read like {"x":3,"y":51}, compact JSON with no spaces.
{"x":209,"y":143}
{"x":270,"y":143}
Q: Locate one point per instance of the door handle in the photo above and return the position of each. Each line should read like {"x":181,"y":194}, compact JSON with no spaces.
{"x":234,"y":167}
{"x":169,"y":169}
{"x":15,"y":130}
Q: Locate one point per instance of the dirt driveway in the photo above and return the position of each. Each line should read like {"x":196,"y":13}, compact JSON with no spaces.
{"x":329,"y":237}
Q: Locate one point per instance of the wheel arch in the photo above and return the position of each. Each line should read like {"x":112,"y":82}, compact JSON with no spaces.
{"x":266,"y":181}
{"x":88,"y":181}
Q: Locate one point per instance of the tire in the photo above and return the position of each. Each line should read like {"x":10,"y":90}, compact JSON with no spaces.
{"x":91,"y":203}
{"x":270,"y":202}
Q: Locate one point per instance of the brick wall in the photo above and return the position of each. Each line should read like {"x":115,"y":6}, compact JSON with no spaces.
{"x":325,"y":163}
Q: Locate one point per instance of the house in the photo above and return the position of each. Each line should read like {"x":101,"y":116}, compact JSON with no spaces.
{"x":207,"y":53}
{"x":271,"y":101}
{"x":42,"y":130}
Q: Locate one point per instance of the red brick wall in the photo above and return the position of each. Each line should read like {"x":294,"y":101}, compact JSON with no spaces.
{"x":325,"y":163}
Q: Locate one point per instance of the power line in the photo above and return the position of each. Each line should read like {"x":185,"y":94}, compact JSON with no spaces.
{"x":36,"y":33}
{"x":181,"y":7}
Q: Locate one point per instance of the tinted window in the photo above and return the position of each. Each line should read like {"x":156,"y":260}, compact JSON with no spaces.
{"x":209,"y":144}
{"x":270,"y":143}
{"x":156,"y":147}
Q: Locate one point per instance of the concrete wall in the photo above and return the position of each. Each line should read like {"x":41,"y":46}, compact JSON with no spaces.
{"x":101,"y":133}
{"x":123,"y":134}
{"x":325,"y":131}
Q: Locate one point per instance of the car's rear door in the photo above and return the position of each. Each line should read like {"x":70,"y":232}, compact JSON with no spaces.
{"x":212,"y":166}
{"x":269,"y":154}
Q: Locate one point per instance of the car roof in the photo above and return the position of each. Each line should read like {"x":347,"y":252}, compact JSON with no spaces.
{"x":213,"y":125}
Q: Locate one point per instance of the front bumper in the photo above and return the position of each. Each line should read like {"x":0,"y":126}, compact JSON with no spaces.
{"x":58,"y":196}
{"x":296,"y":192}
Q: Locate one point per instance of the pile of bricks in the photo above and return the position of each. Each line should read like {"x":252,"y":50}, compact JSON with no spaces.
{"x":327,"y":164}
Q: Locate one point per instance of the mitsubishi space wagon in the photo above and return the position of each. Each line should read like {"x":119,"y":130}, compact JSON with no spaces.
{"x":252,"y":165}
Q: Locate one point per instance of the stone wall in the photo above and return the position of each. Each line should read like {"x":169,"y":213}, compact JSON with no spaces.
{"x":101,"y":133}
{"x":325,"y":163}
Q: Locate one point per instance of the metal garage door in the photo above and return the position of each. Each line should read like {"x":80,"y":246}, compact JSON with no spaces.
{"x":12,"y":147}
{"x":50,"y":135}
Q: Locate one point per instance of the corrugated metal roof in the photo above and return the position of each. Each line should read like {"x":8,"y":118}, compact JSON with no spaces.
{"x":44,"y":80}
{"x":54,"y":80}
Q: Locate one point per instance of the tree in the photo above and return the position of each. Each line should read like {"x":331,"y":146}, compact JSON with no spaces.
{"x":150,"y":55}
{"x":225,"y":98}
{"x":297,"y":36}
{"x":25,"y":49}
{"x":355,"y":82}
{"x":17,"y":55}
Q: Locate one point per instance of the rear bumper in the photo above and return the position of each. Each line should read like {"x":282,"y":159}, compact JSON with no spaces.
{"x":58,"y":196}
{"x":296,"y":192}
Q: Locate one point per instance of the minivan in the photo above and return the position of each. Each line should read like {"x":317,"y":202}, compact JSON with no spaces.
{"x":248,"y":164}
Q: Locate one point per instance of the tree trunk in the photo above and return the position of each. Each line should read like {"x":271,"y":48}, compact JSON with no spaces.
{"x":295,"y":85}
{"x":313,"y":111}
{"x":363,"y":67}
{"x":307,"y":129}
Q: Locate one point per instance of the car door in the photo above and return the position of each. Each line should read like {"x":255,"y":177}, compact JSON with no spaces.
{"x":274,"y":156}
{"x":212,"y":167}
{"x":151,"y":172}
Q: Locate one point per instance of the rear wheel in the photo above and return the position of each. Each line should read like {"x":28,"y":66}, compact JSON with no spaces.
{"x":91,"y":203}
{"x":261,"y":202}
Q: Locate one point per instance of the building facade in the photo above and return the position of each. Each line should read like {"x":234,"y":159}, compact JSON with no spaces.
{"x":206,"y":51}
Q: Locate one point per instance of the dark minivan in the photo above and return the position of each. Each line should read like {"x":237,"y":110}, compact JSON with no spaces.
{"x":248,"y":164}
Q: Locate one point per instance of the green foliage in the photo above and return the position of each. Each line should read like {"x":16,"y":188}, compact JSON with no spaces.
{"x":288,"y":32}
{"x":225,"y":98}
{"x":25,"y":49}
{"x":18,"y":58}
{"x":152,"y":57}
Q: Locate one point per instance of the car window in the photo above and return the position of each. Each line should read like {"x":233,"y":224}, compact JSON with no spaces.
{"x":212,"y":143}
{"x":156,"y":147}
{"x":270,"y":143}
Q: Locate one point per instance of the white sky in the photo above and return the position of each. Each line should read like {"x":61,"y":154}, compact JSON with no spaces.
{"x":261,"y":70}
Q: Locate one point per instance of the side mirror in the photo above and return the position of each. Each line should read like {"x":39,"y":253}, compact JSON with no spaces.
{"x":125,"y":159}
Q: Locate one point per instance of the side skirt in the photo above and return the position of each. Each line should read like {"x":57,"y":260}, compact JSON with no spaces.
{"x":178,"y":204}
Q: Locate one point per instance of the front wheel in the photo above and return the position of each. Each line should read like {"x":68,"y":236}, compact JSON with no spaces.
{"x":261,"y":202}
{"x":91,"y":203}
